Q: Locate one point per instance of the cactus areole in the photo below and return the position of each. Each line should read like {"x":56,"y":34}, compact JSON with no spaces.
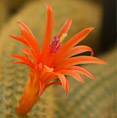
{"x":54,"y":61}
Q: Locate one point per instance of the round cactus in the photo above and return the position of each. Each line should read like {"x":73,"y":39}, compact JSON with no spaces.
{"x":14,"y":5}
{"x":3,"y":13}
{"x":93,"y":99}
{"x":12,"y":77}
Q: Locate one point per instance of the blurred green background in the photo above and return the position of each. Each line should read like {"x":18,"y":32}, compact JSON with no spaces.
{"x":90,"y":100}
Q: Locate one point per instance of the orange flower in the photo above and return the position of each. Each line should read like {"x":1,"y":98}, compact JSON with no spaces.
{"x":52,"y":62}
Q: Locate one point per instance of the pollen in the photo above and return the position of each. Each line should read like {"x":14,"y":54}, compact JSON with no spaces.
{"x":55,"y":45}
{"x":63,"y":37}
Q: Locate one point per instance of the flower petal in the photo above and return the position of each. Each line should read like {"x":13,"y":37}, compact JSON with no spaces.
{"x":73,"y":41}
{"x":26,"y":51}
{"x":78,"y":60}
{"x":32,"y":42}
{"x":77,"y":38}
{"x":48,"y":28}
{"x":29,"y":36}
{"x":24,"y":63}
{"x":71,"y":73}
{"x":74,"y":51}
{"x":65,"y":28}
{"x":41,"y":88}
{"x":79,"y":70}
{"x":78,"y":50}
{"x":62,"y":79}
{"x":23,"y":58}
{"x":67,"y":88}
{"x":24,"y":27}
{"x":19,"y":39}
{"x":53,"y":83}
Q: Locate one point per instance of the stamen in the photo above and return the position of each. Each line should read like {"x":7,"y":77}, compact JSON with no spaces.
{"x":56,"y":43}
{"x":63,"y":37}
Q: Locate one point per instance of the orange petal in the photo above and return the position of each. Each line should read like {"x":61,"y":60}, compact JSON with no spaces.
{"x":80,"y":70}
{"x":41,"y":88}
{"x":32,"y":42}
{"x":24,"y":63}
{"x":33,"y":45}
{"x":19,"y":39}
{"x":26,"y":32}
{"x":74,"y":51}
{"x":78,"y":50}
{"x":64,"y":82}
{"x":71,"y":73}
{"x":77,"y":38}
{"x":26,"y":51}
{"x":48,"y":29}
{"x":50,"y":76}
{"x":62,"y":79}
{"x":73,"y":41}
{"x":22,"y":58}
{"x":67,"y":87}
{"x":65,"y":28}
{"x":24,"y":27}
{"x":53,"y":83}
{"x":79,"y":60}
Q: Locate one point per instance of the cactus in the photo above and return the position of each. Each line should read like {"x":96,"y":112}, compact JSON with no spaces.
{"x":92,"y":99}
{"x":3,"y":13}
{"x":14,"y":5}
{"x":12,"y":77}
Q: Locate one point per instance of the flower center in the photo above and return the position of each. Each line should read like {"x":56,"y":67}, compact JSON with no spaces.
{"x":56,"y":43}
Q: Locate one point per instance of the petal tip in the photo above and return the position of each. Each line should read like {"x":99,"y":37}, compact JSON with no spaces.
{"x":70,"y":19}
{"x":103,"y":62}
{"x":91,"y":28}
{"x":67,"y":93}
{"x":12,"y":55}
{"x":11,"y":36}
{"x":82,"y":82}
{"x":47,"y":5}
{"x":19,"y":22}
{"x":106,"y":63}
{"x":94,"y":79}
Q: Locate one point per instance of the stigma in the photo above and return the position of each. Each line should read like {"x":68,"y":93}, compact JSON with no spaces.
{"x":56,"y":44}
